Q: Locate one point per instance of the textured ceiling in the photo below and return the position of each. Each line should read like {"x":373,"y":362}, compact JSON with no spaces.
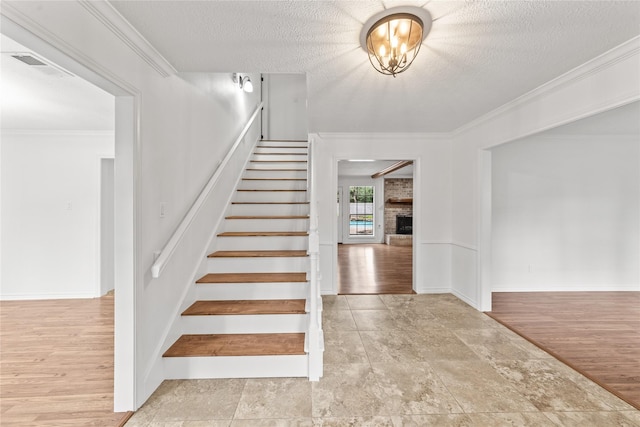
{"x":478,"y":56}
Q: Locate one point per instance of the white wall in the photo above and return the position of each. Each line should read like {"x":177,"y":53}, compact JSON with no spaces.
{"x":285,"y":115}
{"x":51,"y":213}
{"x":180,"y":134}
{"x":603,"y":83}
{"x":566,"y":214}
{"x":432,"y":200}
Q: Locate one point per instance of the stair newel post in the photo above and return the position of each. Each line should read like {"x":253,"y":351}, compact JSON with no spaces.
{"x":315,"y":338}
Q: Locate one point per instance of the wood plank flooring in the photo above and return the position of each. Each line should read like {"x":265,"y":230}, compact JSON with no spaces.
{"x":375,"y":269}
{"x":56,"y":363}
{"x":237,"y":345}
{"x":596,"y":333}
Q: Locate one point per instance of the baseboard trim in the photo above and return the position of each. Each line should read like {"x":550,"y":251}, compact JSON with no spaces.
{"x":31,"y":297}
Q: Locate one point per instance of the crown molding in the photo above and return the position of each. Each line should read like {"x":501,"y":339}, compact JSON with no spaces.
{"x":118,"y":25}
{"x":13,"y":20}
{"x":593,"y":66}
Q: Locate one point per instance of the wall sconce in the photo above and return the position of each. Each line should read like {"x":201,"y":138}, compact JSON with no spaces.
{"x":244,"y":83}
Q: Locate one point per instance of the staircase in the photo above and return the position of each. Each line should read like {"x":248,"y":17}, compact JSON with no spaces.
{"x":250,"y":316}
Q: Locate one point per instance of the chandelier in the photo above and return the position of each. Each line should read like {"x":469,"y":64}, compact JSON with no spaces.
{"x":394,"y":38}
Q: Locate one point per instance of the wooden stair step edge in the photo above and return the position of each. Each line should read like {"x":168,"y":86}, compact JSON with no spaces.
{"x":284,"y":140}
{"x":253,"y":278}
{"x":245,"y":307}
{"x":269,"y":203}
{"x":267,"y":217}
{"x":257,"y":254}
{"x":275,"y":170}
{"x":263,"y":233}
{"x":274,"y":179}
{"x":278,"y":154}
{"x":270,"y":190}
{"x":281,"y":146}
{"x":279,"y":161}
{"x":203,"y":345}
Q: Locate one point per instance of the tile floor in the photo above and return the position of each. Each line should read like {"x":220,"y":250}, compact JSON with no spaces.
{"x":401,"y":360}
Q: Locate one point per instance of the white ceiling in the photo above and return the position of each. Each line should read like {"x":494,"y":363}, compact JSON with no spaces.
{"x":36,"y":100}
{"x":478,"y":56}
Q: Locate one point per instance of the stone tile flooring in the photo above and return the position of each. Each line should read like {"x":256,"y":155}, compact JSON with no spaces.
{"x":401,"y":360}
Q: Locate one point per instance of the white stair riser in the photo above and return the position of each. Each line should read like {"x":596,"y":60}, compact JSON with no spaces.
{"x":245,"y":324}
{"x":269,"y":209}
{"x":262,"y":243}
{"x":273,"y":185}
{"x":255,"y":291}
{"x":278,"y":165}
{"x":266,"y":225}
{"x":282,"y":142}
{"x":278,"y":148}
{"x":257,"y":265}
{"x":270,"y":196}
{"x":275,"y":173}
{"x":280,"y":157}
{"x":235,"y":367}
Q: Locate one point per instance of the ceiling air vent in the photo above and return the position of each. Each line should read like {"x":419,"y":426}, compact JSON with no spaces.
{"x":40,"y":64}
{"x":29,"y":60}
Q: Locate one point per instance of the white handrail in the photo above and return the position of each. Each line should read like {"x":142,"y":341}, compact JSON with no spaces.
{"x":170,"y":247}
{"x":315,"y":336}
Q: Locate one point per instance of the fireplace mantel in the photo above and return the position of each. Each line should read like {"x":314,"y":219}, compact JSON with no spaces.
{"x":406,"y":201}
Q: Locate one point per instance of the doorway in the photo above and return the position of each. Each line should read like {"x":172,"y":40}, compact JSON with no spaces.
{"x":373,"y":198}
{"x":125,"y":137}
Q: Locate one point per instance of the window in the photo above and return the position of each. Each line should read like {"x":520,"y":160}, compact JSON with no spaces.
{"x":361,"y":210}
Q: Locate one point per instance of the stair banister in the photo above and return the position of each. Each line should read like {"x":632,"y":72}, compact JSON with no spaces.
{"x":176,"y":237}
{"x":315,"y":335}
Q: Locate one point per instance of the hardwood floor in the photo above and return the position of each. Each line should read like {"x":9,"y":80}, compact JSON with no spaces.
{"x":375,"y":269}
{"x":596,"y":333}
{"x":56,"y":363}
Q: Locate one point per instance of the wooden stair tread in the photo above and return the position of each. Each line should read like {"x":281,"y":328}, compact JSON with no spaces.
{"x":202,"y":345}
{"x":262,"y":233}
{"x":279,"y":154}
{"x":279,"y":161}
{"x":252,"y":278}
{"x":267,"y":217}
{"x":282,"y":146}
{"x":257,"y":254}
{"x":245,"y":307}
{"x":269,"y":203}
{"x":274,"y":179}
{"x":266,"y":190}
{"x":283,"y":140}
{"x":275,"y":170}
